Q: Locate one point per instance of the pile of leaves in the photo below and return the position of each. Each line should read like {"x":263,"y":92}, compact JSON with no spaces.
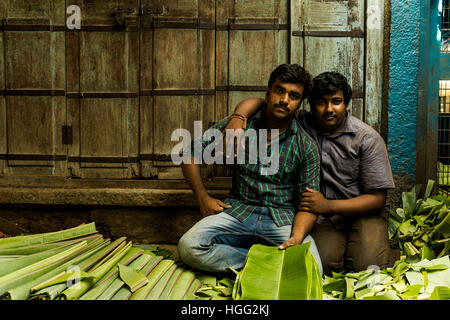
{"x":422,"y":230}
{"x":79,"y":263}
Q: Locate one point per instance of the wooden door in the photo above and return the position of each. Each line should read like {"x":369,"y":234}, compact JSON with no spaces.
{"x":343,"y":36}
{"x":103,"y":93}
{"x":177,"y":84}
{"x":102,"y":102}
{"x":32,"y":104}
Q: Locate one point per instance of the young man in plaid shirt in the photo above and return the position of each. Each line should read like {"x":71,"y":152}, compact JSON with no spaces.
{"x":261,"y":207}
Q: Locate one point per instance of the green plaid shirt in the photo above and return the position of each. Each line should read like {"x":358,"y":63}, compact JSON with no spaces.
{"x":299,"y":168}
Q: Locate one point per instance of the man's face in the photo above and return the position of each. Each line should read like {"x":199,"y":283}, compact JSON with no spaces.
{"x":283,"y":99}
{"x":330,"y":111}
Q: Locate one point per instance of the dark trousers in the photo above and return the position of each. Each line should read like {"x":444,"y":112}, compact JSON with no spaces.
{"x":361,"y":244}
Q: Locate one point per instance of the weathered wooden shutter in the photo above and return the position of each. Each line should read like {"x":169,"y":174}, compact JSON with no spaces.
{"x":343,"y":36}
{"x":32,"y":104}
{"x":177,"y":78}
{"x":103,"y":101}
{"x":103,"y":94}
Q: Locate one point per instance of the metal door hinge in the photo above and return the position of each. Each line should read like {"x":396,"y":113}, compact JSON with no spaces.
{"x":67,"y":137}
{"x":130,"y":17}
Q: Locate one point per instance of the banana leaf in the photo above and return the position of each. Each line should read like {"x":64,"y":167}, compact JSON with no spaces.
{"x":153,"y":277}
{"x":21,"y":241}
{"x":95,"y":292}
{"x":170,"y":284}
{"x":444,"y":226}
{"x":6,"y":280}
{"x":409,"y":202}
{"x":273,"y":274}
{"x":440,"y":293}
{"x":124,"y":293}
{"x":131,"y":255}
{"x":390,"y":295}
{"x":19,"y":263}
{"x":115,"y":247}
{"x":196,"y":284}
{"x":42,"y":284}
{"x":182,"y":285}
{"x":153,"y":262}
{"x":115,"y":286}
{"x":18,"y":287}
{"x":437,"y":274}
{"x":428,"y":189}
{"x":35,"y":248}
{"x":74,"y":292}
{"x":132,"y":277}
{"x":159,"y":287}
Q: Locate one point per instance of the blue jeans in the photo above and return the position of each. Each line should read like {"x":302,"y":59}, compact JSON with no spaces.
{"x":220,"y":241}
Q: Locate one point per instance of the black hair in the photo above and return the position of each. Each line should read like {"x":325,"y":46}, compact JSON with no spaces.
{"x":292,"y":73}
{"x":328,"y":83}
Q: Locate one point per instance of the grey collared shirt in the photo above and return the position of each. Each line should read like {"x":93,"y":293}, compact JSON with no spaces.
{"x":354,"y":160}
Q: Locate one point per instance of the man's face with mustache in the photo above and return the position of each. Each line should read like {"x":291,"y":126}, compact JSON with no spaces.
{"x":330,"y":111}
{"x":283,"y":99}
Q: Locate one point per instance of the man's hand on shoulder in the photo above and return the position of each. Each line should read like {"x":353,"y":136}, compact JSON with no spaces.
{"x":313,"y":201}
{"x":210,"y":206}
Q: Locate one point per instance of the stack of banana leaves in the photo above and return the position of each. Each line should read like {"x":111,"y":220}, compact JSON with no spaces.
{"x":421,"y":227}
{"x":79,"y":263}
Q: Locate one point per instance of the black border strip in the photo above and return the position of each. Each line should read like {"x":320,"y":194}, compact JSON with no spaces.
{"x":329,"y":33}
{"x":180,"y":92}
{"x":241,"y":88}
{"x":102,"y":95}
{"x":34,"y":92}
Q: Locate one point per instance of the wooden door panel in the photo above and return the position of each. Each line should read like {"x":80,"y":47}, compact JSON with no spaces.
{"x":335,"y":42}
{"x":109,"y":62}
{"x":103,"y":97}
{"x":33,"y":106}
{"x":335,"y":15}
{"x":177,"y":79}
{"x":53,"y":11}
{"x":176,"y":59}
{"x":253,"y":56}
{"x":252,"y":39}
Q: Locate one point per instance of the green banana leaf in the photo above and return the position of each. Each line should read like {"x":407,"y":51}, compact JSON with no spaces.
{"x":22,"y":241}
{"x":19,"y":263}
{"x":132,"y":277}
{"x":440,"y":293}
{"x":273,"y":274}
{"x":117,"y":284}
{"x":36,"y":248}
{"x":83,"y":286}
{"x":170,"y":284}
{"x":18,"y":285}
{"x":196,"y":284}
{"x":182,"y":285}
{"x":124,"y":293}
{"x":159,"y":287}
{"x":153,"y":277}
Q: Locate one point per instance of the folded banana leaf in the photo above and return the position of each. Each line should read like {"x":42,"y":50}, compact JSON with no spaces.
{"x":22,"y":241}
{"x":273,"y":274}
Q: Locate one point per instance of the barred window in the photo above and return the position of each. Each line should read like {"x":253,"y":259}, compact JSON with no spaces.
{"x":445,"y":26}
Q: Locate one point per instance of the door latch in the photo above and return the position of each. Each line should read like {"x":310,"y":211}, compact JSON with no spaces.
{"x":130,"y":17}
{"x":126,"y":17}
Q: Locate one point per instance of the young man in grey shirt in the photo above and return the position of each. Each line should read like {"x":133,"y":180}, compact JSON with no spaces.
{"x":351,"y":230}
